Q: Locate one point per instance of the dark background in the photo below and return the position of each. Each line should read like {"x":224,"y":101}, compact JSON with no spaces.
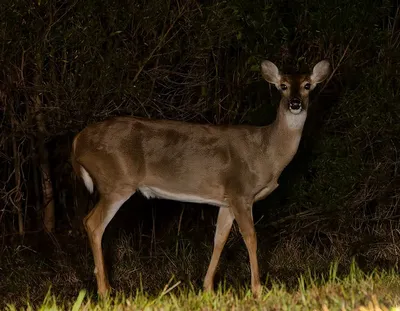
{"x":65,"y":64}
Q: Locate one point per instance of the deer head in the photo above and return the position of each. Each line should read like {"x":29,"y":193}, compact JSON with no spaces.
{"x":295,"y":89}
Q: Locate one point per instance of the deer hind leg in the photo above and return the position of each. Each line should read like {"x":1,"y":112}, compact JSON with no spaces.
{"x":224,"y":225}
{"x":95,"y":224}
{"x":244,"y":217}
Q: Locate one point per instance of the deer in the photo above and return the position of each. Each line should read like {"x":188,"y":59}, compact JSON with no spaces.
{"x":227,"y":166}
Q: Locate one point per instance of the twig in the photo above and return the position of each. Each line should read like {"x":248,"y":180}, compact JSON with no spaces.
{"x":158,"y":46}
{"x":338,"y":65}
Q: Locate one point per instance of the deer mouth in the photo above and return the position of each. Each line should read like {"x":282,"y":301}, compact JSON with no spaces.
{"x":295,"y":107}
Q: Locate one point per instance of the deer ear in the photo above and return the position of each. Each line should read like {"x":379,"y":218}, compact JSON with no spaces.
{"x":320,"y":72}
{"x":270,"y":72}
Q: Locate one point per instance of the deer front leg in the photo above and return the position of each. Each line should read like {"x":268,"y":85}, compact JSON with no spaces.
{"x":224,"y":225}
{"x":244,"y":217}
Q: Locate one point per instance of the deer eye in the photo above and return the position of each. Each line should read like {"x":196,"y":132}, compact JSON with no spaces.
{"x":307,"y":86}
{"x":283,"y":87}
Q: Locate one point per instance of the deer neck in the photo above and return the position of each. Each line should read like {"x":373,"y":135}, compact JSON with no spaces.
{"x":285,"y":135}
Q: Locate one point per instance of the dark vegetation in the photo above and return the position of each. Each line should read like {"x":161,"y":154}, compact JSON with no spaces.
{"x":65,"y":64}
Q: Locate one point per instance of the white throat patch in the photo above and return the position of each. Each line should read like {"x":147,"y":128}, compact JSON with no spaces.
{"x":295,"y":119}
{"x":295,"y":111}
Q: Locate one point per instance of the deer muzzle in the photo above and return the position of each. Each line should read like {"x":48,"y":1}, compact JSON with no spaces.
{"x":295,"y":106}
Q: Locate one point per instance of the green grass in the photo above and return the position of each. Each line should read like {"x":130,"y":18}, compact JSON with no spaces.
{"x":355,"y":291}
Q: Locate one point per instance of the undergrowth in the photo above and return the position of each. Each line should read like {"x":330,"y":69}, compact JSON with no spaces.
{"x":355,"y":291}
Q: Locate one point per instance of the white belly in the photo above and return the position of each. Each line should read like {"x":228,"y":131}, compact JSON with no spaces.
{"x":153,"y":192}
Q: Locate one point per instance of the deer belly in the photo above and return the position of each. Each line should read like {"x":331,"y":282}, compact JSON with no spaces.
{"x":153,"y":192}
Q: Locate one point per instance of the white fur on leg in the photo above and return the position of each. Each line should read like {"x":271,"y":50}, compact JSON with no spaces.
{"x":87,"y":179}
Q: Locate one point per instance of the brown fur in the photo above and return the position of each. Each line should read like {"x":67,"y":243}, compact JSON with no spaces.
{"x":233,"y":166}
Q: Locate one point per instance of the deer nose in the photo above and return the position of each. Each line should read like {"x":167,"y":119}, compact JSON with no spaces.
{"x":295,"y":103}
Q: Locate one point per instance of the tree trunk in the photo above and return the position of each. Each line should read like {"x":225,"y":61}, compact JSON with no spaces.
{"x":17,"y":174}
{"x":47,"y":187}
